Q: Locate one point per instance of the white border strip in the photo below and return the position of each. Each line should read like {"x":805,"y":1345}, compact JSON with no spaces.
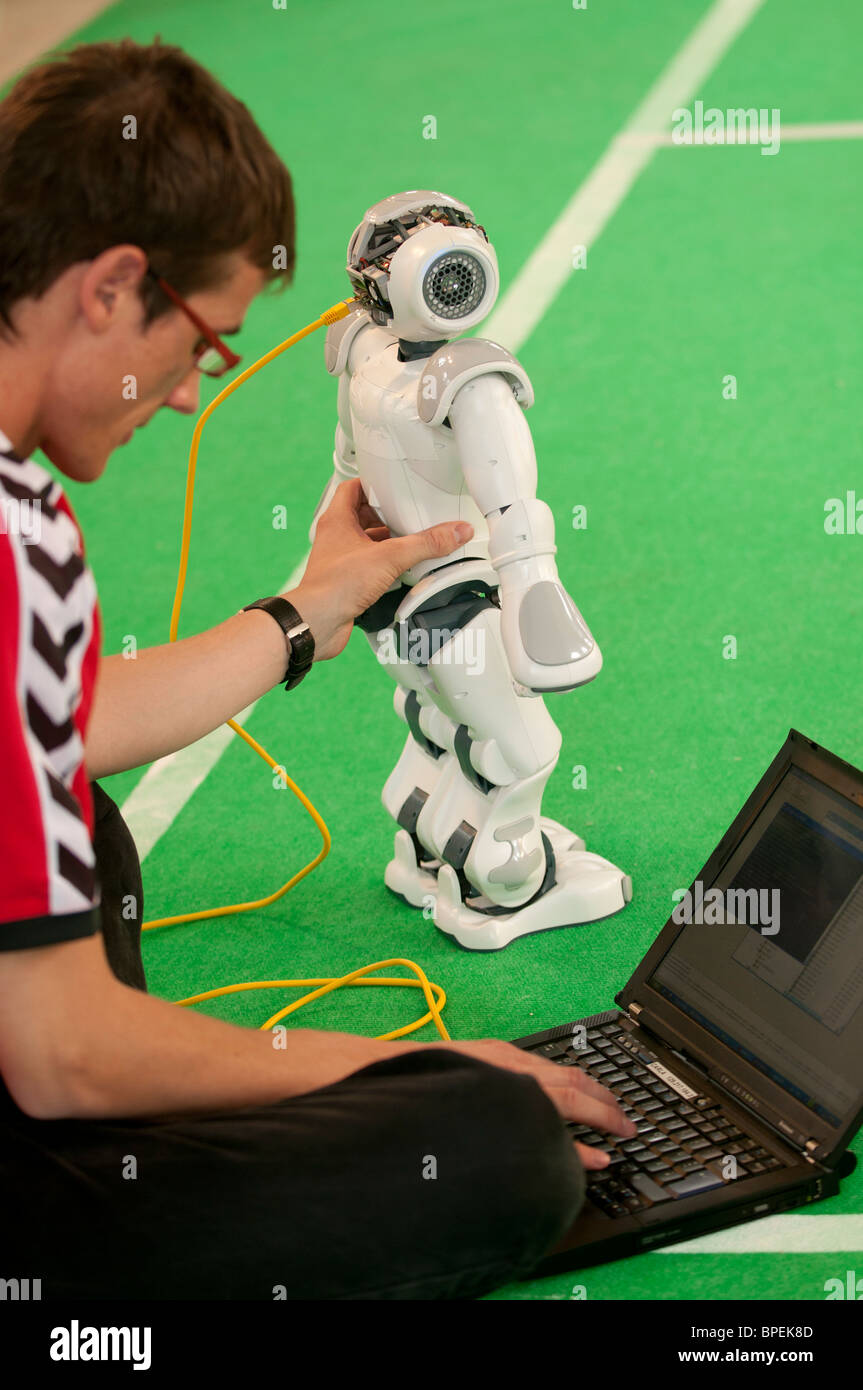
{"x":780,"y":1235}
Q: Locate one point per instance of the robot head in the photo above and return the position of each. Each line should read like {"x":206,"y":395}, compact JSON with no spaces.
{"x":422,"y":266}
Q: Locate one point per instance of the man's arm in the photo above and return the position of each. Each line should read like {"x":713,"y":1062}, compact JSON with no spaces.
{"x":168,"y":697}
{"x":75,"y":1043}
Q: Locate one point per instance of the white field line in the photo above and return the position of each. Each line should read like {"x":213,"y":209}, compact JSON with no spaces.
{"x":167,"y":785}
{"x":823,"y":130}
{"x":31,"y":28}
{"x":608,"y":183}
{"x":780,"y":1235}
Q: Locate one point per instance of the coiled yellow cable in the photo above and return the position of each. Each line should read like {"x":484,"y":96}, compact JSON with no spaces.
{"x":434,"y":996}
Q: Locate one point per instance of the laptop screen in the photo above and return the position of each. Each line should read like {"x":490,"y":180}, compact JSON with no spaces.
{"x":771,"y":957}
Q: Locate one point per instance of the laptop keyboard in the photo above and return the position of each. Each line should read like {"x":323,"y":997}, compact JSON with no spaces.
{"x":682,"y":1147}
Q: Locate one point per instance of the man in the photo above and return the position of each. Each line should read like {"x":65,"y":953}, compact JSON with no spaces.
{"x":258,"y":1169}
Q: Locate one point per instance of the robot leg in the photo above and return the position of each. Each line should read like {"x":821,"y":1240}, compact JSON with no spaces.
{"x":507,"y":869}
{"x":421,"y":766}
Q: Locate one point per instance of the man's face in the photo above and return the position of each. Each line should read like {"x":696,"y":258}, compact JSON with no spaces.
{"x":105,"y":384}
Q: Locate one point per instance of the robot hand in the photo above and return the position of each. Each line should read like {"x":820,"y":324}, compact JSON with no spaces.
{"x":548,"y":644}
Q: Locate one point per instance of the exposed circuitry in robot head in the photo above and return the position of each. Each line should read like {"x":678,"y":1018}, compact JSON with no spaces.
{"x":423,"y":266}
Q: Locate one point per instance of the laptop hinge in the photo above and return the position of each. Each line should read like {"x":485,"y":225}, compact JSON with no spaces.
{"x":635,"y":1009}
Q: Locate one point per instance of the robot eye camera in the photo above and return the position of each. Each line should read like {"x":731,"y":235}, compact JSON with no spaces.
{"x":422,"y":266}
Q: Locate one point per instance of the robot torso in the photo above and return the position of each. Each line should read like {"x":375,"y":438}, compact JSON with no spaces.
{"x":411,"y":472}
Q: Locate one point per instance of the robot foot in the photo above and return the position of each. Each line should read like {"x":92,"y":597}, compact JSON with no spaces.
{"x":586,"y":888}
{"x":562,"y":840}
{"x":413,"y":879}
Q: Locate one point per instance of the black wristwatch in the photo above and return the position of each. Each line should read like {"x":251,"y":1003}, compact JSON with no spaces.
{"x":298,"y":633}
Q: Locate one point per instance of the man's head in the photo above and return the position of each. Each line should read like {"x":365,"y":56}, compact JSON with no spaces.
{"x":120,"y":163}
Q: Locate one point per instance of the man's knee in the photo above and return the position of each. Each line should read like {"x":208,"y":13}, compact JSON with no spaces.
{"x":511,"y":1169}
{"x":531,"y":1155}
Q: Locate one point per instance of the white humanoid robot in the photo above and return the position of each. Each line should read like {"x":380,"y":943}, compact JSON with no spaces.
{"x":435,"y":430}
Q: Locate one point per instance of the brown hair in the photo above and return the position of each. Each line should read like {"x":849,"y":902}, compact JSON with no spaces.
{"x":199,"y":180}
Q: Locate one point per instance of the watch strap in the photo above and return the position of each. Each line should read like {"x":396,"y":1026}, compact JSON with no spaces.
{"x":301,"y":643}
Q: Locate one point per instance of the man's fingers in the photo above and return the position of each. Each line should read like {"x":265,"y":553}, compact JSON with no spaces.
{"x":591,"y":1157}
{"x":605,"y":1116}
{"x":589,"y":1085}
{"x":580,"y":1097}
{"x":577,"y":1096}
{"x":368,"y":516}
{"x":350,"y":506}
{"x":442,"y":539}
{"x":346,"y":503}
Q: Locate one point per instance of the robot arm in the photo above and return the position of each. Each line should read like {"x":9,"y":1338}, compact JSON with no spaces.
{"x":346,"y":343}
{"x":344,"y":457}
{"x":547,"y":642}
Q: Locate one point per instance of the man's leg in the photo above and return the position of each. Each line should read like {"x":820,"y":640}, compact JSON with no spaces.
{"x":430,"y":1175}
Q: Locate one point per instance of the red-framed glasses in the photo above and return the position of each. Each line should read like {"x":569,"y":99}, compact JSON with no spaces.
{"x":213,"y":357}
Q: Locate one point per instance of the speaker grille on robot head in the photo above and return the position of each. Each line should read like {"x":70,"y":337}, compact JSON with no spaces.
{"x":454,"y":285}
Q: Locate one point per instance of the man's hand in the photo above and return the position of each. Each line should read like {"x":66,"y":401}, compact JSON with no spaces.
{"x":577,"y":1096}
{"x":354,"y":560}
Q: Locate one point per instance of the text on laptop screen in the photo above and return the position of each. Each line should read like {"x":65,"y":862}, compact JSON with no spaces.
{"x":771,"y":957}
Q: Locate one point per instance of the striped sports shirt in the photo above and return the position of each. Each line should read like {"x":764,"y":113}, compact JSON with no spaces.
{"x":49,"y":653}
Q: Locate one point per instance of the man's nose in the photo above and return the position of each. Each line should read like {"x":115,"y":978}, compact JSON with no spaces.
{"x":185,"y":397}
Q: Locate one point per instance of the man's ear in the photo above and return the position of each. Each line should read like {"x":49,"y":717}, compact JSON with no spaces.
{"x":108,"y":292}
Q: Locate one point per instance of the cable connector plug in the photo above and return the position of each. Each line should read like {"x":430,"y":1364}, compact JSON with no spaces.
{"x":337,"y":311}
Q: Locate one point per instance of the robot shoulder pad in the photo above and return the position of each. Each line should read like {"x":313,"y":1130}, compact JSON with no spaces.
{"x":340,"y":337}
{"x":448,"y":370}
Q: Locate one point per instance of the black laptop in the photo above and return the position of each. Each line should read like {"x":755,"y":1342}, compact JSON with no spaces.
{"x":737,"y":1047}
